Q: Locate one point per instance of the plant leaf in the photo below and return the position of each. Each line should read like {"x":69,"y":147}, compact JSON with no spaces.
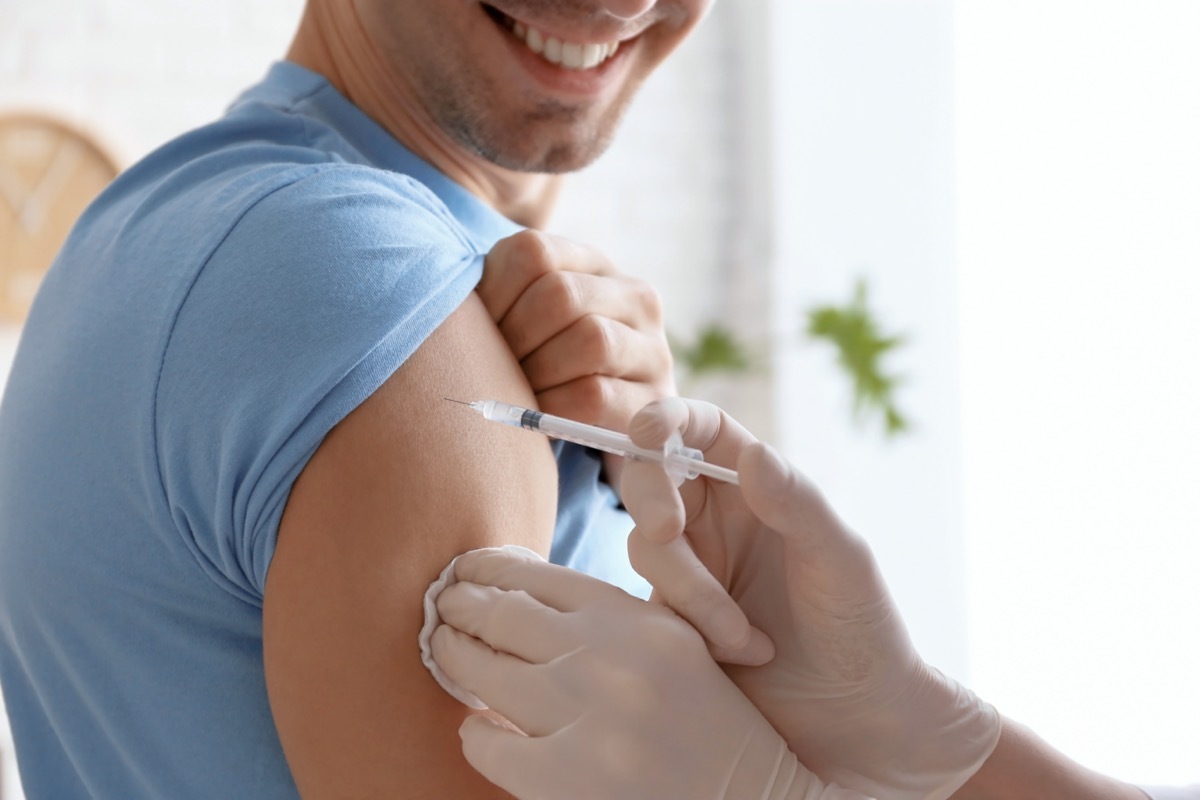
{"x":715,"y":350}
{"x":855,"y":335}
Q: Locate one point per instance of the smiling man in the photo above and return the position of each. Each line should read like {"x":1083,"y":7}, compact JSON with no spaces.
{"x":226,"y":470}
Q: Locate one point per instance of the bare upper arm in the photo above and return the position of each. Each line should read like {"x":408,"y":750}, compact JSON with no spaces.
{"x":402,"y":485}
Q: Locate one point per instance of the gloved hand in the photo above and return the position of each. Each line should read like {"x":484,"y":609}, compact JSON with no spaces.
{"x":846,"y":688}
{"x":617,"y":698}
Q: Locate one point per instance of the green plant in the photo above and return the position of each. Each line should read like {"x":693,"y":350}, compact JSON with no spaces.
{"x":715,"y":350}
{"x":854,"y":334}
{"x":860,"y":345}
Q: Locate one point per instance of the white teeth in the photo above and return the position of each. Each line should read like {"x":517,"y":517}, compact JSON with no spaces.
{"x":568,"y":55}
{"x":592,"y":54}
{"x":534,"y":40}
{"x":572,"y":55}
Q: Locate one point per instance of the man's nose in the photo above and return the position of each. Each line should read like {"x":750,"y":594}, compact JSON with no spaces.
{"x":626,"y":9}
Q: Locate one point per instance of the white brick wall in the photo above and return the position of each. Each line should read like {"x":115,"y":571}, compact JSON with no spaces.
{"x":136,"y":73}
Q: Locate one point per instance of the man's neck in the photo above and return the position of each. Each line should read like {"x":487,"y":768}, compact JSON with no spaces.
{"x":332,"y":41}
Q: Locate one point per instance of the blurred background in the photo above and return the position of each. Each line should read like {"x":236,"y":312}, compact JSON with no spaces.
{"x":1012,"y":189}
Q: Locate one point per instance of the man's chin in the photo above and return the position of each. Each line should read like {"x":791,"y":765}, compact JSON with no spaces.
{"x":544,"y":146}
{"x":554,"y":158}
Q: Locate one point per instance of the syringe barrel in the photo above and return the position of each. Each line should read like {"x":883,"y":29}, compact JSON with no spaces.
{"x":679,"y":460}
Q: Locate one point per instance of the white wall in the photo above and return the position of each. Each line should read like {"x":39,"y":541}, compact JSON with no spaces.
{"x":1079,"y":197}
{"x":137,"y":72}
{"x":1024,"y":174}
{"x":862,"y":183}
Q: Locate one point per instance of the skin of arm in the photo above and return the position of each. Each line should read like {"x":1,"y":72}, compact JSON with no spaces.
{"x":398,"y":488}
{"x":1023,"y":767}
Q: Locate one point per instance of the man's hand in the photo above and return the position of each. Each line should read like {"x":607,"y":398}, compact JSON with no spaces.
{"x":589,"y":339}
{"x":846,"y":688}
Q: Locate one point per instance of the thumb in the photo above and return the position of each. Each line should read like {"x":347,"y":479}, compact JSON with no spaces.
{"x":499,"y":754}
{"x":838,"y":563}
{"x":785,"y":500}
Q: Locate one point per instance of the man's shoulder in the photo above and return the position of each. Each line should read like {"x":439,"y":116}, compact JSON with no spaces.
{"x":229,"y":208}
{"x":265,"y":168}
{"x":348,"y":205}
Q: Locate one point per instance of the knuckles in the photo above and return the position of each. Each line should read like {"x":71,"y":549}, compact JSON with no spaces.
{"x":560,"y":290}
{"x":528,"y":248}
{"x":648,"y":299}
{"x":601,"y":341}
{"x":587,"y":399}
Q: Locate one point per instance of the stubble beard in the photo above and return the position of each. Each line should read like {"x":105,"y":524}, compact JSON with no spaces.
{"x":553,"y":138}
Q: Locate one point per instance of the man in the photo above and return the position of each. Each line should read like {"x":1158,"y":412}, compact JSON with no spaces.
{"x":227,"y":473}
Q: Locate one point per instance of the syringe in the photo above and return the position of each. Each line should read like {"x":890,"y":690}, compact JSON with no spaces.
{"x":677,"y":459}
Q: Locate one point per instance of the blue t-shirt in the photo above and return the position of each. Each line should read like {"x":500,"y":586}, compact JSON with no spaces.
{"x":214,"y":314}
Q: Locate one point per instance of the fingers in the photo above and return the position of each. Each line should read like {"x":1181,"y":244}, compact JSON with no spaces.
{"x":590,"y":340}
{"x":785,"y":500}
{"x":600,"y":345}
{"x":507,"y":621}
{"x":557,"y":300}
{"x":682,"y":582}
{"x":648,"y":492}
{"x":517,"y":261}
{"x":504,"y":757}
{"x":559,"y":588}
{"x":683,"y":576}
{"x":508,"y":685}
{"x":703,"y":426}
{"x":758,"y":650}
{"x":600,"y":399}
{"x":600,"y":371}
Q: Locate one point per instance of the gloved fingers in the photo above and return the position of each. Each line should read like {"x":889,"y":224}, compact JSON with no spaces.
{"x":559,"y":588}
{"x":703,"y":426}
{"x":509,"y":686}
{"x":515,"y":763}
{"x":654,"y":424}
{"x":649,"y":495}
{"x":509,"y":621}
{"x":787,"y":502}
{"x":683,"y":583}
{"x":758,"y":650}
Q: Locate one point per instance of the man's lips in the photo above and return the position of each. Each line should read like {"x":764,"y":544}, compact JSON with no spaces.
{"x":578,"y":56}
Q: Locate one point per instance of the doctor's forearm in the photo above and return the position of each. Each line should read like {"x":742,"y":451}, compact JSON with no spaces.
{"x":1025,"y":767}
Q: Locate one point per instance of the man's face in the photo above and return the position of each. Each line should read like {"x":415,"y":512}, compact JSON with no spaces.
{"x":477,"y":69}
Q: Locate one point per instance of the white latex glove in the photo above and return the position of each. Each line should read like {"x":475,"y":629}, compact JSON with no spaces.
{"x":846,"y":688}
{"x":616,"y":698}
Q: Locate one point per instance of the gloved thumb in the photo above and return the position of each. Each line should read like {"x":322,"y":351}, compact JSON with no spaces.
{"x":785,"y":500}
{"x":488,"y":747}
